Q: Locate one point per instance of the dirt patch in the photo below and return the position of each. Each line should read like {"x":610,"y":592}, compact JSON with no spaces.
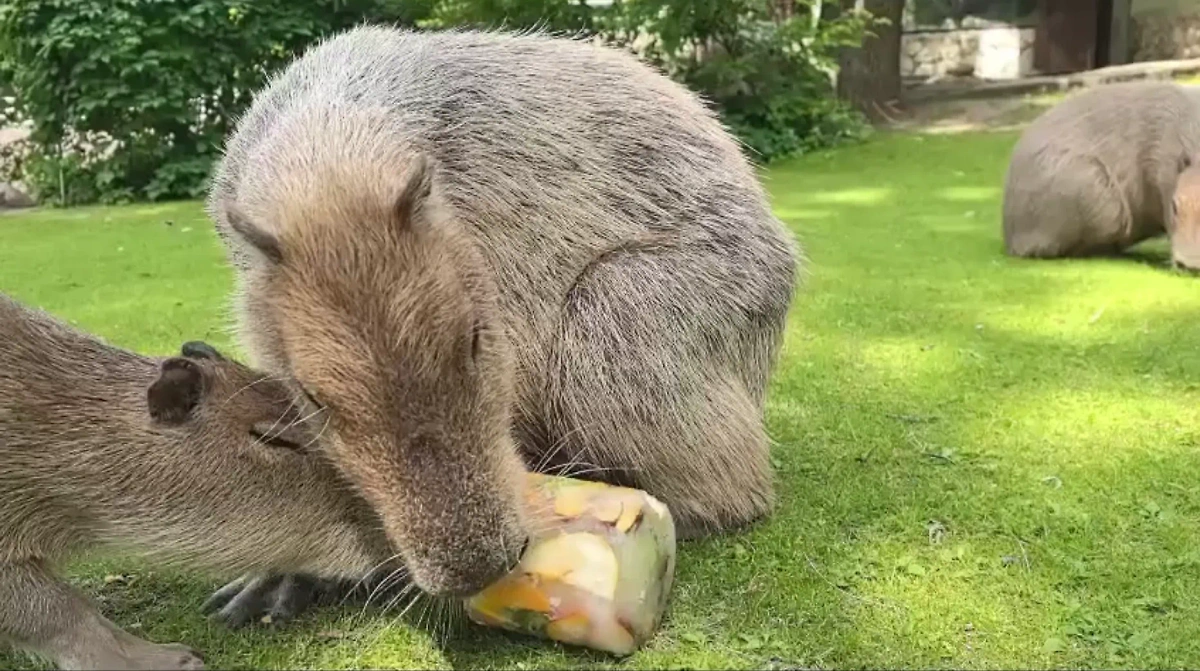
{"x":950,"y":113}
{"x":974,"y":114}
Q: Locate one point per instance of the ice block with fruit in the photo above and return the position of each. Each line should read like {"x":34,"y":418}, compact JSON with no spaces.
{"x":598,"y":571}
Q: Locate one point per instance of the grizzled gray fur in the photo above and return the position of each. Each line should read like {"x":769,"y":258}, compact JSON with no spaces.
{"x":191,"y":459}
{"x":474,"y":246}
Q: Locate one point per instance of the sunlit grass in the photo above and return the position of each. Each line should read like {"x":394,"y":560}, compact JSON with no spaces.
{"x":982,"y":462}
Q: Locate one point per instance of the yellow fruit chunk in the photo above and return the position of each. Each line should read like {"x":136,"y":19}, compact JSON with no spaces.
{"x":569,"y":497}
{"x":580,"y":559}
{"x":571,"y":503}
{"x":608,"y":509}
{"x":510,"y":593}
{"x":629,"y":515}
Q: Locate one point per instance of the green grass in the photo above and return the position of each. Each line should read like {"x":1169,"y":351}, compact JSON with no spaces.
{"x":982,"y":462}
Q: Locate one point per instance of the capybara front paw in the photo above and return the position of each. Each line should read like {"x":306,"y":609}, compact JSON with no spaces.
{"x":265,"y":598}
{"x":144,"y":656}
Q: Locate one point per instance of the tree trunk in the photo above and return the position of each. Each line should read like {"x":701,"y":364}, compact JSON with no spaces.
{"x":869,"y":76}
{"x":782,"y":10}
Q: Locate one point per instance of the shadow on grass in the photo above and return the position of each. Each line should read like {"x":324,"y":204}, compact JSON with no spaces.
{"x":1024,"y":511}
{"x":952,"y":383}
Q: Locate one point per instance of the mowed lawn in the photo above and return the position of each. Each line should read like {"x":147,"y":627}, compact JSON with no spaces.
{"x":982,"y":462}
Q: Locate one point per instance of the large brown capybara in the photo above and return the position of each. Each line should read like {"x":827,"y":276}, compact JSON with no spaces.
{"x":485,"y":252}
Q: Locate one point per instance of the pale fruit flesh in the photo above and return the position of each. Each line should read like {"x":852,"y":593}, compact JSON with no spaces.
{"x":598,"y":574}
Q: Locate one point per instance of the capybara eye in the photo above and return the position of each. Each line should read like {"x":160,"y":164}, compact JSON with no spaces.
{"x":312,"y":399}
{"x":274,"y":440}
{"x":475,"y":335}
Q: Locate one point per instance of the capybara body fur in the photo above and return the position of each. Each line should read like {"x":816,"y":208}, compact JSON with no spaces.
{"x":189,"y":459}
{"x":541,"y":247}
{"x":1097,"y":172}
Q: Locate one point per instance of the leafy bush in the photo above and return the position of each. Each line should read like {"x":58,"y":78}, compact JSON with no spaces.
{"x":132,"y":99}
{"x":766,"y":65}
{"x":554,"y":15}
{"x":13,"y":159}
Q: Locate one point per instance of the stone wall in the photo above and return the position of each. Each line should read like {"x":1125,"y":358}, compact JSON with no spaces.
{"x":1165,"y":35}
{"x":990,"y":51}
{"x":1159,"y":30}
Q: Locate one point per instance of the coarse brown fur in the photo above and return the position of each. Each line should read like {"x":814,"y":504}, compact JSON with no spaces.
{"x":1096,"y":174}
{"x":474,"y":245}
{"x":1185,"y":238}
{"x":192,"y":459}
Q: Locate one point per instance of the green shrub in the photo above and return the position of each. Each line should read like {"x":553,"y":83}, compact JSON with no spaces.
{"x":553,"y":15}
{"x":131,"y":99}
{"x":769,"y":73}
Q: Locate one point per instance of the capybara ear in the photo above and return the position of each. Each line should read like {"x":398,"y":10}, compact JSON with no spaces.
{"x":416,"y":190}
{"x":176,"y":392}
{"x":266,"y":243}
{"x":197,"y":349}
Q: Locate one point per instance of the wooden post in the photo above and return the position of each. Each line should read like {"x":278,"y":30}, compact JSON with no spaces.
{"x":869,"y":75}
{"x":1119,"y":41}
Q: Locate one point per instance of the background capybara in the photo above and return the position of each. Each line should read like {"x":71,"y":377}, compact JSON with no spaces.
{"x":192,"y":459}
{"x":1096,"y":173}
{"x":470,"y":246}
{"x":1185,"y":237}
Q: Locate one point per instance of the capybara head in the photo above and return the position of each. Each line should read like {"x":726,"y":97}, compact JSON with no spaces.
{"x":237,"y":485}
{"x":379,"y":306}
{"x":1185,"y":232}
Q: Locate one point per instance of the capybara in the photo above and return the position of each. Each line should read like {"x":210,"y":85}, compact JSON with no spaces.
{"x":192,"y":459}
{"x":472,"y":247}
{"x":1096,"y":173}
{"x":1185,"y":237}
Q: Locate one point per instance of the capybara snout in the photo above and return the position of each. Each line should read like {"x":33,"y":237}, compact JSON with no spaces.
{"x":1185,"y":233}
{"x":464,"y":565}
{"x":456,"y":516}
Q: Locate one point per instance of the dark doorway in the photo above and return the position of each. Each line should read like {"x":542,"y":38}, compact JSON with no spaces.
{"x":1104,"y":29}
{"x":1071,"y":35}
